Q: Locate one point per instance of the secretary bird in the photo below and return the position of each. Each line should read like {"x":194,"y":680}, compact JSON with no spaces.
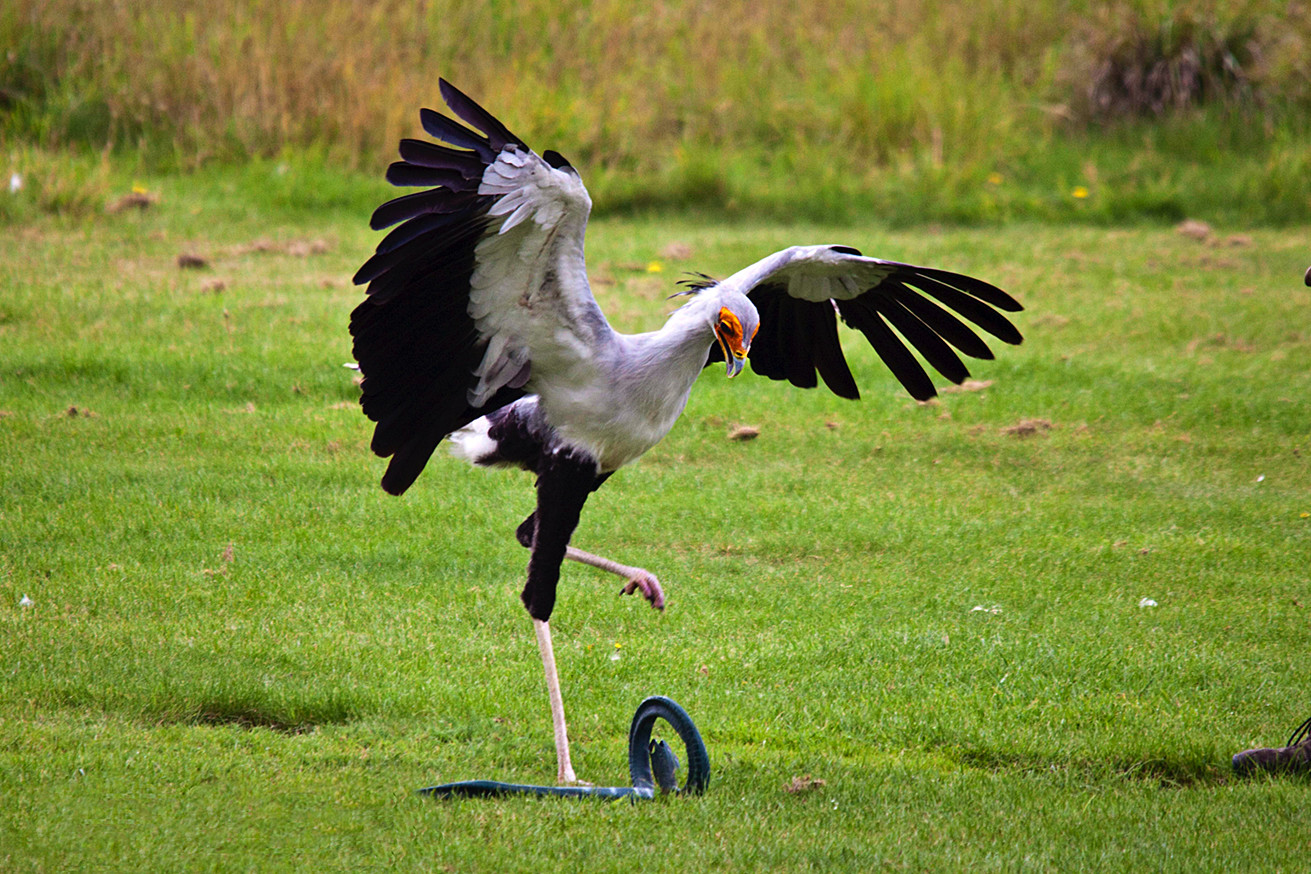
{"x":479,"y":325}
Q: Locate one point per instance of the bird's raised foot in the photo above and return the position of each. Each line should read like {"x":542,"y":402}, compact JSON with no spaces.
{"x":649,"y":586}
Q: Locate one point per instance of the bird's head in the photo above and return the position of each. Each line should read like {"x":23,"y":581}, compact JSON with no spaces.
{"x":735,"y":327}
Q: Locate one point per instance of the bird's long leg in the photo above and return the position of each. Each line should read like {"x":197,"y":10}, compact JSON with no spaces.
{"x":565,"y":770}
{"x":564,"y":481}
{"x":637,"y":577}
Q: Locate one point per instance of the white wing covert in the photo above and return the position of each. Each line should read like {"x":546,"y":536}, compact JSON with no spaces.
{"x":529,"y":295}
{"x":479,"y":291}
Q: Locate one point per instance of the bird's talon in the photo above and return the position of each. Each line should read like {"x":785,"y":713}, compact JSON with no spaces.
{"x":650,"y":588}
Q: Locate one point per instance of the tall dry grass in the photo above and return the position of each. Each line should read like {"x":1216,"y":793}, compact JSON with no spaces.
{"x":876,"y":78}
{"x":682,"y":93}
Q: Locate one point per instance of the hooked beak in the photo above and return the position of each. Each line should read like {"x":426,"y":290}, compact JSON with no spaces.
{"x":735,"y":355}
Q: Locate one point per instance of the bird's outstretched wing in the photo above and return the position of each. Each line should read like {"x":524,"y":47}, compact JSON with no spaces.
{"x":800,"y":291}
{"x":480,"y":290}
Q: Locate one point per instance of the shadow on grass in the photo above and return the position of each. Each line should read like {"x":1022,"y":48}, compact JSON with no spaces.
{"x":240,"y":707}
{"x":284,"y":718}
{"x":1168,"y":772}
{"x":256,"y":718}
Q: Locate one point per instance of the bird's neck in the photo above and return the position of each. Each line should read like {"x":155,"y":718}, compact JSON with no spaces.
{"x":669,"y":360}
{"x":689,"y":331}
{"x":650,"y":377}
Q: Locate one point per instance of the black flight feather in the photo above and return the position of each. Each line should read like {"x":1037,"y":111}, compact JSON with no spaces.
{"x":864,"y":318}
{"x":966,"y":305}
{"x":417,"y":227}
{"x":922,"y":337}
{"x":448,"y":130}
{"x":416,"y":344}
{"x":946,"y":325}
{"x":468,"y":110}
{"x":415,"y":248}
{"x":829,"y":360}
{"x":434,"y":200}
{"x":796,"y":339}
{"x":556,"y":160}
{"x":422,"y":153}
{"x":765,"y":355}
{"x":984,"y":291}
{"x":407,"y":175}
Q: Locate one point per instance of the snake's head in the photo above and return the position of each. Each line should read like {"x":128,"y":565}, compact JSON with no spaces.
{"x":664,"y":764}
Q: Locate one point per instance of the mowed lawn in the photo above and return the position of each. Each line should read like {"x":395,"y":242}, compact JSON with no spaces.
{"x":1023,"y":627}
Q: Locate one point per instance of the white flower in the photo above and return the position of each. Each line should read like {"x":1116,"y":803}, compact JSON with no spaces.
{"x":1146,"y":602}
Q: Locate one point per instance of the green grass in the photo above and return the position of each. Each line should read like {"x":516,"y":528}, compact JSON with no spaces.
{"x":241,"y":654}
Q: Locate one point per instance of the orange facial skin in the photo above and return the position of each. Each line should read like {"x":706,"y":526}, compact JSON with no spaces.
{"x":728,"y":331}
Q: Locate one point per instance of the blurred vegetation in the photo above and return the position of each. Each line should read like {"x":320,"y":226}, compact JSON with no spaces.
{"x":980,"y":112}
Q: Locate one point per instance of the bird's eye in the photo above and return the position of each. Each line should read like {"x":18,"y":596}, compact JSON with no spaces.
{"x":727,"y":327}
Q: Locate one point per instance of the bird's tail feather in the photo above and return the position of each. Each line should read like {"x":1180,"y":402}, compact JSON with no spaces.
{"x":472,"y":442}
